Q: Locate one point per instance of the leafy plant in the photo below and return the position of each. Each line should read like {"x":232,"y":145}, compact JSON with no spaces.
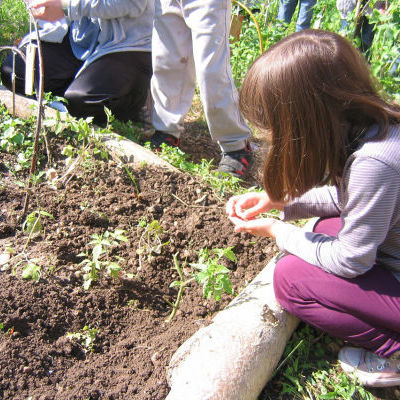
{"x":95,"y":262}
{"x":150,"y":241}
{"x":32,"y":223}
{"x":14,"y":21}
{"x":222,"y":184}
{"x":86,"y":337}
{"x":31,"y":271}
{"x":212,"y":275}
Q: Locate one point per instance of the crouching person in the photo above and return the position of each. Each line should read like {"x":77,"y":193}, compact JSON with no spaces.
{"x":95,"y":54}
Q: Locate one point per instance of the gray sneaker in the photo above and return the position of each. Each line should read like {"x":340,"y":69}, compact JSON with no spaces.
{"x":236,"y":163}
{"x":369,"y":368}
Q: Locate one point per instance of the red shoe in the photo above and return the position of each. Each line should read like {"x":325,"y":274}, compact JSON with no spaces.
{"x":160,"y":137}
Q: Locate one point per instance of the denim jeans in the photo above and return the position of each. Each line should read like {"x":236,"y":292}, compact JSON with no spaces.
{"x":366,"y":33}
{"x":287,"y":8}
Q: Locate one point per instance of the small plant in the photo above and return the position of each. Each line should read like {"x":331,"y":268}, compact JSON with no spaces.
{"x":86,"y":337}
{"x":32,"y":223}
{"x":32,"y":271}
{"x":93,"y":264}
{"x":181,"y":284}
{"x":150,"y":241}
{"x":213,"y":276}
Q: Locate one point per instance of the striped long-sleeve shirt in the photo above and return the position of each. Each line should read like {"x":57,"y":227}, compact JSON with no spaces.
{"x":368,"y":203}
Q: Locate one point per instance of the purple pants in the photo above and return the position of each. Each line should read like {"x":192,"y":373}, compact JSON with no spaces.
{"x":364,"y":310}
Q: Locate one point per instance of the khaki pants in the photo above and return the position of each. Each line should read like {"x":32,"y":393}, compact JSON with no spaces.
{"x":191,"y":39}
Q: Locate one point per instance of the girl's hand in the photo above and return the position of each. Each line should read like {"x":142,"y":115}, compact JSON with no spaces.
{"x":257,"y":227}
{"x":249,"y":205}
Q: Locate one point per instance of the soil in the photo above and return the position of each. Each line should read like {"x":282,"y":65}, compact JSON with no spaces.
{"x":134,"y":343}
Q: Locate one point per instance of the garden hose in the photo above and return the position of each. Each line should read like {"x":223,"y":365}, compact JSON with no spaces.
{"x":240,"y":4}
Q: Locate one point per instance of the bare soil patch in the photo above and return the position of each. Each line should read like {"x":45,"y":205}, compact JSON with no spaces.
{"x":134,"y":343}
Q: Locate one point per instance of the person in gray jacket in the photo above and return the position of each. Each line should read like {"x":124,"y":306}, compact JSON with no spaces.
{"x":95,"y":54}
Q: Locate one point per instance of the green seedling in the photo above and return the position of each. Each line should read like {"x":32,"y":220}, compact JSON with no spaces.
{"x":86,"y":337}
{"x":132,"y":179}
{"x":94,"y":263}
{"x":150,"y":242}
{"x":213,"y":276}
{"x":181,"y":284}
{"x":32,"y":223}
{"x":32,"y":271}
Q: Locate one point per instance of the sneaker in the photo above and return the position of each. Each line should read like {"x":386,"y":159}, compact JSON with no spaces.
{"x":369,"y":368}
{"x":235,"y":163}
{"x":160,"y":137}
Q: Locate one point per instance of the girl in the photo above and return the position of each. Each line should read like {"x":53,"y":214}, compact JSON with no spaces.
{"x":334,"y":153}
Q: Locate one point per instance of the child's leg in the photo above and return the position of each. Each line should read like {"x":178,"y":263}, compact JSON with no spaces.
{"x":173,"y":81}
{"x":209,"y":21}
{"x":364,"y":310}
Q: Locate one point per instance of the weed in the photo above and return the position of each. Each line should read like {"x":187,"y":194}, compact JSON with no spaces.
{"x":86,"y":337}
{"x":32,"y":271}
{"x":221,"y":185}
{"x":309,"y":370}
{"x":213,"y":276}
{"x":150,"y":241}
{"x":94,"y":263}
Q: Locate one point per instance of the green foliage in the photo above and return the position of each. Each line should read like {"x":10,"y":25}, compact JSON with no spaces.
{"x":309,"y":370}
{"x":31,"y":271}
{"x":86,"y":337}
{"x":383,"y":54}
{"x":96,"y":262}
{"x":17,"y":137}
{"x":385,"y":49}
{"x":222,"y":184}
{"x":32,"y":223}
{"x":14,"y":21}
{"x":213,"y":276}
{"x":150,"y":241}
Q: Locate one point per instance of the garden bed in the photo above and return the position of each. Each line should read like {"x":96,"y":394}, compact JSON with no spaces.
{"x":128,"y":343}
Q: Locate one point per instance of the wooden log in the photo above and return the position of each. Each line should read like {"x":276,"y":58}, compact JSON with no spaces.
{"x":234,"y":357}
{"x":127,"y":150}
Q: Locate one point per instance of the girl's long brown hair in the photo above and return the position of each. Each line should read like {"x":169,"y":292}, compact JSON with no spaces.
{"x":314,"y":95}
